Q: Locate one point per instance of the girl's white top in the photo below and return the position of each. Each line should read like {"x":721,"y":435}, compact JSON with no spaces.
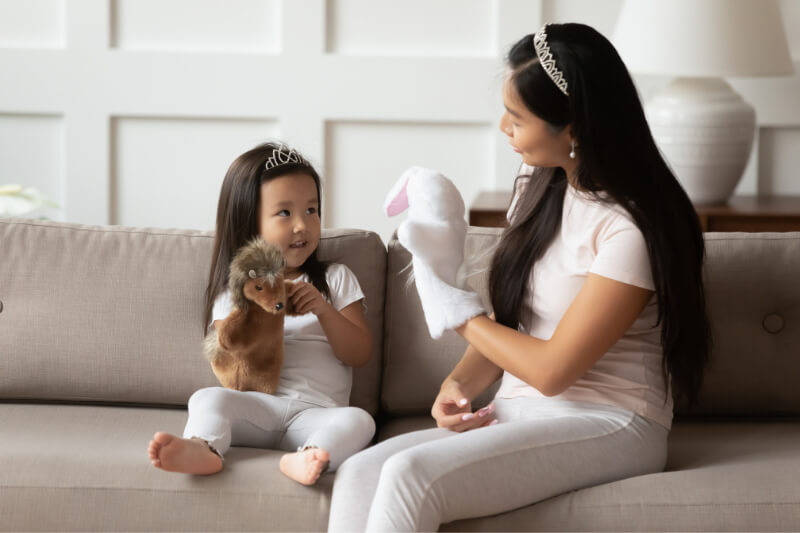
{"x":311,"y":372}
{"x":600,"y":238}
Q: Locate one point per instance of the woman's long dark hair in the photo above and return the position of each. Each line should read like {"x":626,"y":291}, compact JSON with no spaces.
{"x":617,"y":155}
{"x":237,"y":216}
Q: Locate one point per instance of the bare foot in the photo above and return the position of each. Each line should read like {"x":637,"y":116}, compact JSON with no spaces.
{"x":190,"y":456}
{"x":306,"y":466}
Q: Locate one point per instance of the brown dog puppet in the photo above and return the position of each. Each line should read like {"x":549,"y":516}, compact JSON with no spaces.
{"x":246,"y":351}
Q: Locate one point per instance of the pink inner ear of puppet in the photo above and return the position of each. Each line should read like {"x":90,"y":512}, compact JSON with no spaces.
{"x":397,"y":199}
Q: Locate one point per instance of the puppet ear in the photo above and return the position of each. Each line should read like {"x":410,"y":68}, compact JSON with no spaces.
{"x":397,"y":200}
{"x":252,"y":274}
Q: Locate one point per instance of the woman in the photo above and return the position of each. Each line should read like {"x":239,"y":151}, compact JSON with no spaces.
{"x":598,"y":301}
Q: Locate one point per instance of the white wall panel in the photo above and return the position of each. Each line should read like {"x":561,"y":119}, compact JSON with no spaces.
{"x":411,"y":27}
{"x":168,"y":172}
{"x":779,"y":161}
{"x":602,"y":16}
{"x":32,"y":24}
{"x":32,"y":154}
{"x":339,"y":76}
{"x":365,"y":159}
{"x":197,"y":25}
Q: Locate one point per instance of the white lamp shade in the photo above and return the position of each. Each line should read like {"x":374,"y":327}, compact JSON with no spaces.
{"x":703,"y":38}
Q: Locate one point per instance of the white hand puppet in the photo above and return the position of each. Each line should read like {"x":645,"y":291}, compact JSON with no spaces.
{"x":435,"y":233}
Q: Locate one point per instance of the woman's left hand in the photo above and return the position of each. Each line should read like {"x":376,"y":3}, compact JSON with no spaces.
{"x":452,"y":410}
{"x":307,"y":299}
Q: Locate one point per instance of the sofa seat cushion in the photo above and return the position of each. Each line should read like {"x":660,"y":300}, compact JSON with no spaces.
{"x":720,"y":476}
{"x":85,"y":468}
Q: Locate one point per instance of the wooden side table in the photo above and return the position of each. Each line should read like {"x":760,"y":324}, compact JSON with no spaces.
{"x":489,"y":209}
{"x":740,"y":213}
{"x":752,"y":214}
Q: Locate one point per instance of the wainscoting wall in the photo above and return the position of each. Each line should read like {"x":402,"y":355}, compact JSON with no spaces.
{"x":129,"y":111}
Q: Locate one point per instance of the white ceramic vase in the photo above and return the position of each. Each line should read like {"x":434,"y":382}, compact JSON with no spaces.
{"x":705,"y":131}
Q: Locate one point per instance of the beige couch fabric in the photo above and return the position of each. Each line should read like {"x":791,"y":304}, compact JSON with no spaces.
{"x":102,"y":314}
{"x":99,"y":347}
{"x":85,"y":468}
{"x":115,"y":314}
{"x":753,"y":294}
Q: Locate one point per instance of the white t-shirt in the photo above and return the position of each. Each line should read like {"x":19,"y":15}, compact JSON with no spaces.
{"x":311,"y":372}
{"x":600,"y":238}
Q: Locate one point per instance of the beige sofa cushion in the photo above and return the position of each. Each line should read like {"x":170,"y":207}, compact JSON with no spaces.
{"x":114,"y":314}
{"x":753,"y":293}
{"x":414,"y":365}
{"x":85,"y":468}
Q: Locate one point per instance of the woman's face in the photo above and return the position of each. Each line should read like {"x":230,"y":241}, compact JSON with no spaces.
{"x":530,"y":136}
{"x":289,"y":217}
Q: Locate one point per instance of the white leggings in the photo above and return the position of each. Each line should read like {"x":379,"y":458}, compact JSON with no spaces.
{"x":539,"y":448}
{"x":225,"y":417}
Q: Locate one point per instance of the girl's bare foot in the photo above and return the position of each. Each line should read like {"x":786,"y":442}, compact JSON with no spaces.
{"x":305,"y":466}
{"x":190,"y":456}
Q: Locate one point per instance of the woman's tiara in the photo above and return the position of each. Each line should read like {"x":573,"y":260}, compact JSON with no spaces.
{"x":283,"y":155}
{"x":547,"y":60}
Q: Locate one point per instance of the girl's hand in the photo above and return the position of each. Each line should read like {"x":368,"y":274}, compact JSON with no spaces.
{"x":452,"y":410}
{"x":307,"y":299}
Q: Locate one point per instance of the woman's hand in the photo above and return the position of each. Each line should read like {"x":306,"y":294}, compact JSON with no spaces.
{"x":452,"y":410}
{"x":307,"y":299}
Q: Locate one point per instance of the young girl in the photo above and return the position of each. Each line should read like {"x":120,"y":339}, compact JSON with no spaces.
{"x":598,"y":300}
{"x":272,"y":191}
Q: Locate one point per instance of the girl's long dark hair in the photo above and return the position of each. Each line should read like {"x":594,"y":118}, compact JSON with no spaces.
{"x":237,"y":216}
{"x":617,"y":155}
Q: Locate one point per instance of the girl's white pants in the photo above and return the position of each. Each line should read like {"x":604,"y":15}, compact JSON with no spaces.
{"x":541,"y":447}
{"x":225,"y":417}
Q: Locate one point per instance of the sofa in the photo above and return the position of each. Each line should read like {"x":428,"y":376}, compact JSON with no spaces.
{"x":100,"y":346}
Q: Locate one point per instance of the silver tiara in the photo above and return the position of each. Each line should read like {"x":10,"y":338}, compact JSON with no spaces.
{"x":547,"y":60}
{"x":283,"y":155}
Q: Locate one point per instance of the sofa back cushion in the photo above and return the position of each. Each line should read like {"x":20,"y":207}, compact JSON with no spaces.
{"x":414,"y":365}
{"x":113,"y":314}
{"x":753,"y":294}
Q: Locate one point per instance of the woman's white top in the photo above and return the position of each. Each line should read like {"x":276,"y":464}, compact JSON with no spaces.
{"x":600,"y":238}
{"x":311,"y":372}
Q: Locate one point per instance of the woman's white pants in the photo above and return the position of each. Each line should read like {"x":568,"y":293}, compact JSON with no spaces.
{"x":540,"y":448}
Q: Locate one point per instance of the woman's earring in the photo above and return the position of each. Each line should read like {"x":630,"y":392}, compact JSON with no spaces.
{"x":572,"y":152}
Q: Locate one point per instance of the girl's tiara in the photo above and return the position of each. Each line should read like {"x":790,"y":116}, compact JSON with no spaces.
{"x":547,"y":60}
{"x":283,"y":155}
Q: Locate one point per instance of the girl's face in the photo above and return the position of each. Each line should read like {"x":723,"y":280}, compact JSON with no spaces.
{"x":532,"y":137}
{"x":288,"y":214}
